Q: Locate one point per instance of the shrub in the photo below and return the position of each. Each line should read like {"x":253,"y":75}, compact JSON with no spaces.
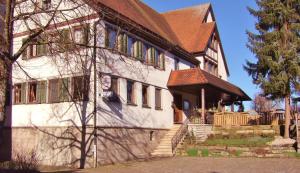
{"x":192,"y":152}
{"x":238,"y":153}
{"x":21,"y":163}
{"x":204,"y":152}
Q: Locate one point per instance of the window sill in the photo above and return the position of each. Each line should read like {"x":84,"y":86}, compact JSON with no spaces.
{"x":131,"y":104}
{"x":146,"y":106}
{"x":158,"y":109}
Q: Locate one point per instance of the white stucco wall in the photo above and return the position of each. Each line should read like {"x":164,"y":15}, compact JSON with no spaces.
{"x":221,"y":65}
{"x":209,"y":18}
{"x":109,"y":114}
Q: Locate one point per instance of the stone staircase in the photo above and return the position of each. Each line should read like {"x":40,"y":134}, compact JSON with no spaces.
{"x":164,"y":148}
{"x":200,"y":131}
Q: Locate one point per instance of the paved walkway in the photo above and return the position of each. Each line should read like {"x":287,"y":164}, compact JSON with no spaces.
{"x":205,"y":165}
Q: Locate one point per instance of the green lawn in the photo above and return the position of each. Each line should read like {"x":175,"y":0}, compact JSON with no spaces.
{"x":256,"y":141}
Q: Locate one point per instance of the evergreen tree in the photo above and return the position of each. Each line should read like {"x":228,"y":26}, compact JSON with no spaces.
{"x":276,"y":45}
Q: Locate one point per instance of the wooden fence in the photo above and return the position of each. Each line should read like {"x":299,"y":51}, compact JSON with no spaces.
{"x":243,"y":119}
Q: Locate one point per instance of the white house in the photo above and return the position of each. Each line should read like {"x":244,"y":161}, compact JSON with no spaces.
{"x":139,"y":71}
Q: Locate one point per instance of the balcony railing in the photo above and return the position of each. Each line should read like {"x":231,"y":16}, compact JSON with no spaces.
{"x":235,"y":118}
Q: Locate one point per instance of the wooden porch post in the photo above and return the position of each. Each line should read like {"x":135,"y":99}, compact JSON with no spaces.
{"x":203,"y":105}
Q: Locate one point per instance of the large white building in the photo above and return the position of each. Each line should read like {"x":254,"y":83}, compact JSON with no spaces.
{"x":146,"y":72}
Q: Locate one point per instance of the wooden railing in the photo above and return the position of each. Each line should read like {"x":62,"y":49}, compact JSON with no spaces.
{"x":243,"y":118}
{"x":231,"y":119}
{"x":180,"y":134}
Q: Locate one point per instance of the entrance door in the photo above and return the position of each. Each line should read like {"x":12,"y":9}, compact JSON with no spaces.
{"x":177,"y":108}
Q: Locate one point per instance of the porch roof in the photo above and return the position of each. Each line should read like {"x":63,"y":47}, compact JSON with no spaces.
{"x":197,"y":77}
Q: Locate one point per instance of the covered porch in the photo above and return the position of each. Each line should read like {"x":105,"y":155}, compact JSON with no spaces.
{"x":199,"y":95}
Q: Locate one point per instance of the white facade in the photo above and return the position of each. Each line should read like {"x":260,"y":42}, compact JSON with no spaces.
{"x":109,"y":114}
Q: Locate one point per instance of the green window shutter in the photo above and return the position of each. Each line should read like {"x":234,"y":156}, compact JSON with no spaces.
{"x":41,"y":91}
{"x":86,"y":31}
{"x":24,"y":54}
{"x":125,"y":43}
{"x":39,"y":51}
{"x":23,"y":93}
{"x":135,"y":49}
{"x":163,"y":62}
{"x":152,"y":56}
{"x":63,"y":90}
{"x":41,"y":46}
{"x":140,"y":50}
{"x":65,"y":40}
{"x":120,"y":43}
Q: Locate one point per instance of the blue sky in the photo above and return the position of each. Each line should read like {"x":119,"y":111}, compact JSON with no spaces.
{"x":233,"y":19}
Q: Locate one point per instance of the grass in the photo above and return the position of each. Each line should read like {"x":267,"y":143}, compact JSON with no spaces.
{"x":204,"y":152}
{"x":256,"y":141}
{"x":192,"y":152}
{"x":293,"y":154}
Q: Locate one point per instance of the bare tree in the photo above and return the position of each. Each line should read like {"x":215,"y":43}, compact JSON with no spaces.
{"x":262,"y":104}
{"x":32,"y":18}
{"x":84,"y":61}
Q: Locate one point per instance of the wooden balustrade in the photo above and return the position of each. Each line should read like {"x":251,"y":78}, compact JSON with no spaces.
{"x":243,"y":119}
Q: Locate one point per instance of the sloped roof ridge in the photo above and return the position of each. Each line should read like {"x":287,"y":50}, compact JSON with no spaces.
{"x":204,"y":5}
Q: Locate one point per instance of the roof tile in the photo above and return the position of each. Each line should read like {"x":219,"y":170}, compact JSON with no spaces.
{"x":196,"y":76}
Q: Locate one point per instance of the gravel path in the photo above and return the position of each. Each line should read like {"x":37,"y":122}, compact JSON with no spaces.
{"x":205,"y":165}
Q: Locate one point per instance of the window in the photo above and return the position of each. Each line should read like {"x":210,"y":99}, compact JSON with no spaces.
{"x":32,"y":92}
{"x":80,"y":85}
{"x":19,"y":93}
{"x":145,"y":95}
{"x":157,"y":98}
{"x":37,"y":47}
{"x":130,"y":92}
{"x":60,"y":41}
{"x":176,"y":64}
{"x":37,"y":92}
{"x":81,"y":34}
{"x":130,"y":42}
{"x":186,"y":105}
{"x":110,"y":38}
{"x":112,"y":91}
{"x":58,"y":90}
{"x":214,"y":43}
{"x":114,"y":85}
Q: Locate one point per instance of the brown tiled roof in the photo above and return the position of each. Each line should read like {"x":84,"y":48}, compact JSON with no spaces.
{"x":197,"y":76}
{"x":143,"y":15}
{"x":193,"y":34}
{"x":183,"y":27}
{"x":191,"y":30}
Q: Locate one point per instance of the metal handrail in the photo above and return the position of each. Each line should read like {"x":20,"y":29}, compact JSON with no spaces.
{"x":181,"y":132}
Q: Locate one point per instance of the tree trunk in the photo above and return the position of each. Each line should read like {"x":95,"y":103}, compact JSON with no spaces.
{"x":5,"y":96}
{"x":287,"y":117}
